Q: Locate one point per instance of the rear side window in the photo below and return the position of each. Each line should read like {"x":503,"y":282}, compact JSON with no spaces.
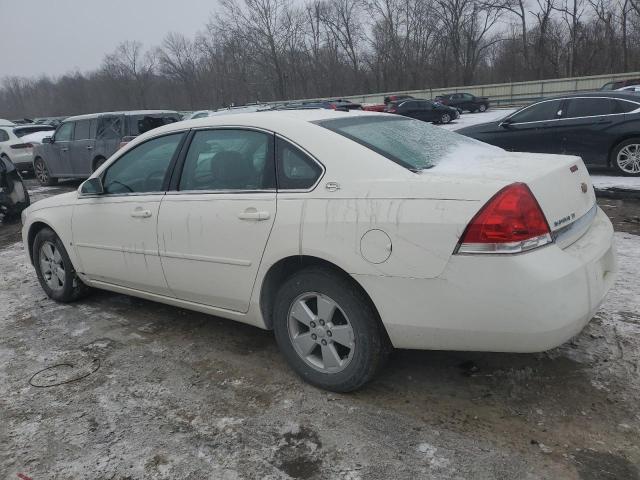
{"x":538,"y":112}
{"x":410,"y":143}
{"x":139,"y":124}
{"x":622,"y":106}
{"x":229,"y":159}
{"x":588,"y":107}
{"x":109,"y":128}
{"x":296,"y":169}
{"x":83,"y":130}
{"x":4,"y":136}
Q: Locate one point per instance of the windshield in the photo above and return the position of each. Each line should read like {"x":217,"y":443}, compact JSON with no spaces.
{"x":411,"y":143}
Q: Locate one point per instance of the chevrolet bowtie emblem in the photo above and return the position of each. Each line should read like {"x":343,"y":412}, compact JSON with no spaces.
{"x":584,"y":187}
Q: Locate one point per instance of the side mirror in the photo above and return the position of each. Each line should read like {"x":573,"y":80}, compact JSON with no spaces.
{"x":47,"y":140}
{"x":506,"y":122}
{"x":92,"y":186}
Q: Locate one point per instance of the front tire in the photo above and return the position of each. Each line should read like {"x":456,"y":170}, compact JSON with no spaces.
{"x":42,"y":173}
{"x":625,"y":157}
{"x":328,"y":331}
{"x":55,"y":271}
{"x":482,"y":108}
{"x":445,"y":118}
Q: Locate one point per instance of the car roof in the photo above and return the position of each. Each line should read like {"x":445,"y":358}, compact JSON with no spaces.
{"x":615,"y":94}
{"x":89,"y":116}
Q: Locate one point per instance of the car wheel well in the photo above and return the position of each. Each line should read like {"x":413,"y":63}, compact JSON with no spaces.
{"x":284,"y":268}
{"x":33,"y":231}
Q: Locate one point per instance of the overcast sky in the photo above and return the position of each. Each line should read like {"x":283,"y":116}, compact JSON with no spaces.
{"x":58,"y":36}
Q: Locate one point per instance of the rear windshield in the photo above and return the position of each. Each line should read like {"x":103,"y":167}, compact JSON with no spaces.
{"x":22,"y":131}
{"x":411,"y":143}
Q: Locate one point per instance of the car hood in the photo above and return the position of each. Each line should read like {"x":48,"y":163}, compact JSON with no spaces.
{"x":61,"y":200}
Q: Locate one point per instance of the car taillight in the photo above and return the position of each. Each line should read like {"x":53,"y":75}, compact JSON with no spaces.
{"x":19,"y":146}
{"x":392,"y":110}
{"x":510,"y":222}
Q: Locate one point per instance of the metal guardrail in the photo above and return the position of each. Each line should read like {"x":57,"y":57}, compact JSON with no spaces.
{"x":507,"y":94}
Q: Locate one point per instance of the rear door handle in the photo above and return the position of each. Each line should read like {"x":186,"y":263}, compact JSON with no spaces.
{"x":141,"y":213}
{"x":64,"y":149}
{"x":253,"y":214}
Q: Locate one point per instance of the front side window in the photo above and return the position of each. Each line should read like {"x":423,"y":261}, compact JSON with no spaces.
{"x":83,"y":130}
{"x":144,"y":168}
{"x":296,"y":170}
{"x":64,"y":132}
{"x":229,"y":159}
{"x":589,"y":107}
{"x":536,"y":113}
{"x":413,"y":144}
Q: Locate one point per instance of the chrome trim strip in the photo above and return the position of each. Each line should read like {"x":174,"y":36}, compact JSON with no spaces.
{"x":215,"y":192}
{"x":205,"y":258}
{"x":571,"y":233}
{"x":118,"y":249}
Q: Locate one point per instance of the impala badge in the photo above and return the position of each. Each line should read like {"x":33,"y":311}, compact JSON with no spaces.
{"x":584,"y":187}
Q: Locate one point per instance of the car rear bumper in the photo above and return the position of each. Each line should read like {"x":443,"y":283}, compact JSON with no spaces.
{"x":22,"y":160}
{"x":516,"y":303}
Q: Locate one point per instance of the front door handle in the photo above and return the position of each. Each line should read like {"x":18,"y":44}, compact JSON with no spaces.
{"x":253,"y":214}
{"x":89,"y":147}
{"x":64,"y":149}
{"x":141,"y":213}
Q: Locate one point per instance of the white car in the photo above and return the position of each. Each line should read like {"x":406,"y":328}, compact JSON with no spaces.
{"x":630,"y":89}
{"x":17,"y":142}
{"x":345,"y":233}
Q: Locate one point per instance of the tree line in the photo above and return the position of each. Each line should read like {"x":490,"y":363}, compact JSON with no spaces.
{"x":263,"y":50}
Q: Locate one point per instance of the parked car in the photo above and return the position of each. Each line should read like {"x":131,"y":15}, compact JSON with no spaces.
{"x":464,"y":101}
{"x":22,"y":121}
{"x":619,"y":84}
{"x":17,"y":143}
{"x":81,"y":144}
{"x":601,"y":127}
{"x":199,"y":114}
{"x":260,"y":218}
{"x":629,"y":89}
{"x":14,"y":197}
{"x":424,"y":110}
{"x":53,"y":121}
{"x":395,"y":98}
{"x":374,"y":107}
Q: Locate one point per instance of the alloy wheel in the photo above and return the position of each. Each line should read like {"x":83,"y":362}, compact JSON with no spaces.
{"x":321,"y":333}
{"x":482,"y":108}
{"x":445,"y":118}
{"x":41,"y":172}
{"x":52,"y":266}
{"x":628,"y":158}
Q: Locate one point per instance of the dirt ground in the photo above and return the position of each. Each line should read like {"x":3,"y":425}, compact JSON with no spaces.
{"x":157,"y":392}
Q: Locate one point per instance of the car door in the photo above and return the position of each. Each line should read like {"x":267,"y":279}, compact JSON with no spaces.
{"x":115,"y":233}
{"x":411,"y":109}
{"x":213,"y":228}
{"x":585,"y":128}
{"x":532,"y":129}
{"x":58,"y":155}
{"x":81,"y":148}
{"x":110,"y":131}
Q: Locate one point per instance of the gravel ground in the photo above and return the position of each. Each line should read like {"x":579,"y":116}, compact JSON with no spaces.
{"x":159,"y":392}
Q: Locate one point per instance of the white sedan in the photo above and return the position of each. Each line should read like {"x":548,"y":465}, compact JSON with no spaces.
{"x":345,"y":233}
{"x":17,"y":142}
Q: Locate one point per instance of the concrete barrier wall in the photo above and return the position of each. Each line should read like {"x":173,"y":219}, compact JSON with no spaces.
{"x":517,"y":93}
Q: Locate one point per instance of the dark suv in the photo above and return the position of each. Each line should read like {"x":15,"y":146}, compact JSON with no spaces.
{"x":81,"y":144}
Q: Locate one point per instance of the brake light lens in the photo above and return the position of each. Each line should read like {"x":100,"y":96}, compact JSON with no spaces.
{"x":20,"y":146}
{"x":510,"y":222}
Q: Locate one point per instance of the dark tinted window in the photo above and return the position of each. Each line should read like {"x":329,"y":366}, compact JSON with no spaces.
{"x":229,"y":159}
{"x":109,"y":128}
{"x":83,"y":130}
{"x":142,"y":169}
{"x":64,"y":132}
{"x":409,"y":105}
{"x":22,"y":131}
{"x":296,"y":170}
{"x":139,"y":124}
{"x":622,"y":106}
{"x":4,"y":136}
{"x":587,"y":107}
{"x":539,"y":112}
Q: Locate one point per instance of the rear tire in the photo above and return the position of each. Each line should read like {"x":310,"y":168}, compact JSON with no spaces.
{"x":42,"y":173}
{"x":55,"y":271}
{"x":482,"y":108}
{"x":625,"y":157}
{"x":328,"y":331}
{"x":445,"y":118}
